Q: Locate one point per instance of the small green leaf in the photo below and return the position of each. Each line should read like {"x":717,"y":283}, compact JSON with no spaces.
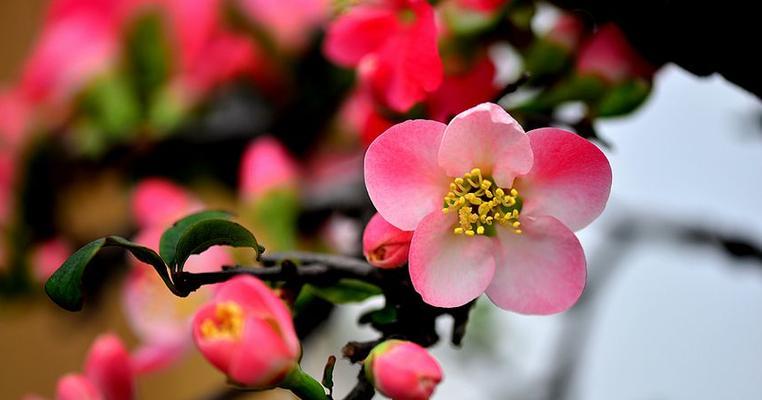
{"x":624,"y":98}
{"x":212,"y":232}
{"x":170,"y":237}
{"x":65,"y":285}
{"x":345,"y":291}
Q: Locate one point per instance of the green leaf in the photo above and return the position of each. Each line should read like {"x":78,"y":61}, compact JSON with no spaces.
{"x":170,"y":237}
{"x":212,"y":232}
{"x":345,"y":291}
{"x":65,"y":285}
{"x":624,"y":98}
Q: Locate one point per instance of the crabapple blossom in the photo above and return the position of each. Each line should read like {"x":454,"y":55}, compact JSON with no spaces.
{"x":246,"y":332}
{"x":403,"y":370}
{"x":384,"y":245}
{"x":266,"y":166}
{"x":394,"y":44}
{"x":511,"y":203}
{"x":109,"y":368}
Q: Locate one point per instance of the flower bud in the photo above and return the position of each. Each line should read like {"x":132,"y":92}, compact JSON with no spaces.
{"x":160,"y":201}
{"x":265,"y":166}
{"x":109,"y":368}
{"x":76,"y":387}
{"x":608,"y":55}
{"x":384,"y":245}
{"x":403,"y":370}
{"x":247,"y":333}
{"x":567,"y":32}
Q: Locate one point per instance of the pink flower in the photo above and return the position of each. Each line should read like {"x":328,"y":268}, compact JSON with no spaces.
{"x":608,"y":55}
{"x":511,"y":203}
{"x":290,"y":22}
{"x":394,"y":42}
{"x":48,"y":256}
{"x":209,"y":55}
{"x":14,"y":118}
{"x":108,"y":374}
{"x":76,"y":387}
{"x":383,"y":245}
{"x":266,"y":166}
{"x":247,"y":333}
{"x":79,"y":40}
{"x":463,"y":89}
{"x":159,"y":201}
{"x":403,"y":370}
{"x":109,"y":368}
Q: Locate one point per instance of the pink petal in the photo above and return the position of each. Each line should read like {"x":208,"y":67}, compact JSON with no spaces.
{"x":486,"y":137}
{"x":449,"y":270}
{"x":359,"y":32}
{"x":219,"y":352}
{"x":76,"y":387}
{"x":109,"y":367}
{"x":160,"y":201}
{"x":263,"y":358}
{"x":541,"y":271}
{"x":154,"y":357}
{"x":408,"y":67}
{"x":255,"y":297}
{"x":401,"y":173}
{"x":570,"y":179}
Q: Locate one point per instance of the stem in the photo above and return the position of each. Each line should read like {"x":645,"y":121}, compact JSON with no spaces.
{"x":303,"y":385}
{"x":315,"y":268}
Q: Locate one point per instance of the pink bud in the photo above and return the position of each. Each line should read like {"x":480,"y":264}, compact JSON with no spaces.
{"x":403,"y":370}
{"x":76,"y":387}
{"x":608,"y":55}
{"x":384,"y":245}
{"x":266,"y":166}
{"x":160,"y":201}
{"x":108,"y":366}
{"x":247,"y":333}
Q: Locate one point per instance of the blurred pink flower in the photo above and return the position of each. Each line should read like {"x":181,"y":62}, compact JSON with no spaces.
{"x":384,"y":245}
{"x":362,"y":116}
{"x":290,"y":22}
{"x":266,"y":166}
{"x":108,"y":366}
{"x":79,"y":40}
{"x":247,"y":333}
{"x":159,"y":201}
{"x":511,"y":203}
{"x":48,"y":256}
{"x":76,"y":387}
{"x":108,"y":374}
{"x":464,"y":89}
{"x":403,"y":370}
{"x":209,"y":54}
{"x":394,"y":44}
{"x":608,"y":55}
{"x":14,"y":119}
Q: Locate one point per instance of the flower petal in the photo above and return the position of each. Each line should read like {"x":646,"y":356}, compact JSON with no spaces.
{"x":359,"y":32}
{"x":401,"y":172}
{"x":486,"y":137}
{"x":449,"y":270}
{"x":541,"y":271}
{"x":570,"y":179}
{"x":263,"y":358}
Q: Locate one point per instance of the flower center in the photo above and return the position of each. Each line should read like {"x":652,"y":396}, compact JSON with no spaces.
{"x":480,"y":204}
{"x":227,"y":323}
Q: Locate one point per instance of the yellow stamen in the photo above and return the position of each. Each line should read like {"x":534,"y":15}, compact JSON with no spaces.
{"x":478,"y":207}
{"x":227,"y":323}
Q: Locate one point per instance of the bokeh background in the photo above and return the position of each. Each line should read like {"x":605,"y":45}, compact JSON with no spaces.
{"x":673,"y":308}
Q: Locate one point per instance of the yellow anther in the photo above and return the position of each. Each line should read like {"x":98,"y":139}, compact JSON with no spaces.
{"x":227,"y":322}
{"x":478,"y":206}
